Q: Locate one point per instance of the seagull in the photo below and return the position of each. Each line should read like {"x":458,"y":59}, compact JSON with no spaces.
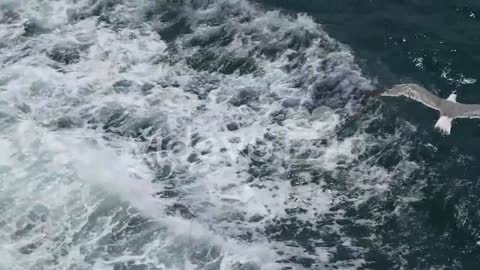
{"x":449,"y":108}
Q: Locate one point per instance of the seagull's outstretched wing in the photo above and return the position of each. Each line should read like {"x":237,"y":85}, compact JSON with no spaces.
{"x":415,"y":92}
{"x":468,"y":111}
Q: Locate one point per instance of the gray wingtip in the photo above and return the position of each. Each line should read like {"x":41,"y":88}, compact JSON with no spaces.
{"x":376,"y":93}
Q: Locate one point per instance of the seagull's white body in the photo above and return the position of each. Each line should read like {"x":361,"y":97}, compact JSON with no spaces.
{"x":449,"y":108}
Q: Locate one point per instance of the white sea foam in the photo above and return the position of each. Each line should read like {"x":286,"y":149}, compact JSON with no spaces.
{"x":92,"y":145}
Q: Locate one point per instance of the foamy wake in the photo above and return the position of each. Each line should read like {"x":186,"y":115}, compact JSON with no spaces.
{"x":168,"y":136}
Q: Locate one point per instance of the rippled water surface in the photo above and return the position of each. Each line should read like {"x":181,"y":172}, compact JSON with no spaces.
{"x":234,"y":134}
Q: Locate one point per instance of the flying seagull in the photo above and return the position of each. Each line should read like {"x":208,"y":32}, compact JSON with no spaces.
{"x":449,"y":108}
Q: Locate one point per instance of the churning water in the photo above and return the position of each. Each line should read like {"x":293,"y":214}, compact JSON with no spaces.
{"x":143,"y":134}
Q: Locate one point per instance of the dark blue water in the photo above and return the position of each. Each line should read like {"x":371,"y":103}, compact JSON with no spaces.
{"x":389,"y":38}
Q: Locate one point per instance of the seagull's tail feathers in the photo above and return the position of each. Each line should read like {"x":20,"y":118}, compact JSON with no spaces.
{"x":444,"y":124}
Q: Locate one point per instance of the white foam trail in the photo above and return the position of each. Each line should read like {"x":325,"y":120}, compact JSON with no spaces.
{"x":79,"y":137}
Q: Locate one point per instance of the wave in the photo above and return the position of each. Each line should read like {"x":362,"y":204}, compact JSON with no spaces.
{"x":186,"y":135}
